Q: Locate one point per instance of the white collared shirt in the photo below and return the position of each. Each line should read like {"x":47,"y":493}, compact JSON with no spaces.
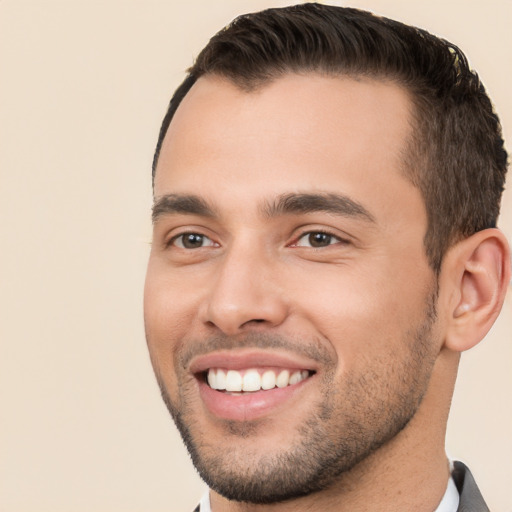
{"x":204,"y":505}
{"x":450,"y":501}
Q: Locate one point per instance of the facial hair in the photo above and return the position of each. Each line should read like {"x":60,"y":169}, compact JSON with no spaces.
{"x":349,"y":423}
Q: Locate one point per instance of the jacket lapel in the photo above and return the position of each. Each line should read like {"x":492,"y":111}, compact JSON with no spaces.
{"x":471,"y":500}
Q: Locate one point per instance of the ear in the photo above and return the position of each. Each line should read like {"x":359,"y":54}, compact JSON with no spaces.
{"x":475,"y":275}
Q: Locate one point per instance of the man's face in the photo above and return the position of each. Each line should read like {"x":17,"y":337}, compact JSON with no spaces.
{"x":288,"y":254}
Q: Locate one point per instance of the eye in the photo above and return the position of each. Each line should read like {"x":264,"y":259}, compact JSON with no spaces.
{"x":317,"y":239}
{"x":192,"y":241}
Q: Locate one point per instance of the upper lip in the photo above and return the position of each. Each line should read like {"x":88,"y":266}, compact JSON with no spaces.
{"x":243,"y":359}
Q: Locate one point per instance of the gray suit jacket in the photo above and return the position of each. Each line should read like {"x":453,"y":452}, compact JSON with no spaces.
{"x":471,"y":499}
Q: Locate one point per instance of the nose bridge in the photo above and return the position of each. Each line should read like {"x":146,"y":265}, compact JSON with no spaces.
{"x":245,"y":291}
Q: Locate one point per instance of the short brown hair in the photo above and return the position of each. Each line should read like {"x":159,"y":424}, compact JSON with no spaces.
{"x":456,"y":155}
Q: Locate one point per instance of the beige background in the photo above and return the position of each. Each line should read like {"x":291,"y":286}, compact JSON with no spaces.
{"x":83,"y":87}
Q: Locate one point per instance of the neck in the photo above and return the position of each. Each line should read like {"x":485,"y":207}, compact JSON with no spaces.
{"x":410,"y":472}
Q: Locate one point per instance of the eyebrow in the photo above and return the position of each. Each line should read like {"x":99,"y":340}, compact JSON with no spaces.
{"x":180,"y":204}
{"x":293,"y":203}
{"x":302,"y":203}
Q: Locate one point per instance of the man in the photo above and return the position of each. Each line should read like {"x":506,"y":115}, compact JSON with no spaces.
{"x":326,"y":187}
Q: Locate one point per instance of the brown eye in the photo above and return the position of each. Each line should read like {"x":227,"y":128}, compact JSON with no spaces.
{"x":192,"y":241}
{"x":317,"y":239}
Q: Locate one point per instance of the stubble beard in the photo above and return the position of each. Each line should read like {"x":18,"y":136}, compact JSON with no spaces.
{"x":350,"y":423}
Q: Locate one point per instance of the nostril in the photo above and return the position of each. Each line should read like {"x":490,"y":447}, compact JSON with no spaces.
{"x":254,"y":321}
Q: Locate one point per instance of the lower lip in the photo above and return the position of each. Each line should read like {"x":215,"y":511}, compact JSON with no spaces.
{"x":248,"y":406}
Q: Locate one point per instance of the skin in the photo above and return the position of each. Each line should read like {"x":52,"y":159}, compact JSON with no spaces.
{"x":359,"y":302}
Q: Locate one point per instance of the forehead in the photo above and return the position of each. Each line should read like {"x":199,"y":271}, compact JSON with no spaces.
{"x":296,"y":133}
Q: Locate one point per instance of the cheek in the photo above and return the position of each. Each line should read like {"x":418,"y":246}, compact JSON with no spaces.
{"x":165,"y":323}
{"x":169,"y":303}
{"x":361,"y":313}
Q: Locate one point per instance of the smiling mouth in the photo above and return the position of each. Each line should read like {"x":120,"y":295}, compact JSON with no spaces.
{"x":253,"y":380}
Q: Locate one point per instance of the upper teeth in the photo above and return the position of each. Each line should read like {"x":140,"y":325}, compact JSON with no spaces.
{"x":253,"y":380}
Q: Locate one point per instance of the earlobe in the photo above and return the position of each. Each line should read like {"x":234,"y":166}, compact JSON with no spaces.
{"x":478,"y":271}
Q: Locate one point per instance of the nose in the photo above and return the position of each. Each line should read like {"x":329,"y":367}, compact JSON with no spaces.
{"x":244,"y":294}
